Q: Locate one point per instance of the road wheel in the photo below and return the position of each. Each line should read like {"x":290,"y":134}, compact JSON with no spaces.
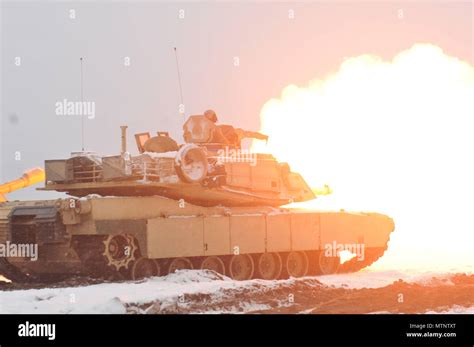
{"x":241,"y":267}
{"x":180,"y":264}
{"x":328,"y":265}
{"x":269,"y":266}
{"x":297,"y":264}
{"x":145,"y":267}
{"x":213,"y":263}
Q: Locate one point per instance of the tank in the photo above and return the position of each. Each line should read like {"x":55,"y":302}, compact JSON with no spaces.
{"x":204,"y":204}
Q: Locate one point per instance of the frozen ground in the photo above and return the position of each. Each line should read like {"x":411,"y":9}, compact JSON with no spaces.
{"x":193,"y":291}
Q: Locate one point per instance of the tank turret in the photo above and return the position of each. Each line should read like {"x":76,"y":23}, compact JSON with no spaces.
{"x":210,"y":168}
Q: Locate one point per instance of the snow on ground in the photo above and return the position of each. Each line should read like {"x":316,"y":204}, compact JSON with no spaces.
{"x":202,"y":285}
{"x":455,"y":309}
{"x":115,"y":297}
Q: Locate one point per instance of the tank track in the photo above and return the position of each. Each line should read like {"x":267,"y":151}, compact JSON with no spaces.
{"x":239,"y":267}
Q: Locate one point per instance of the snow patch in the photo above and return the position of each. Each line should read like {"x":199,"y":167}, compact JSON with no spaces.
{"x":455,"y":309}
{"x":169,"y":291}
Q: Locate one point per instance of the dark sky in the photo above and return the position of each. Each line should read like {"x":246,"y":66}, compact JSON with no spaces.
{"x":273,"y":51}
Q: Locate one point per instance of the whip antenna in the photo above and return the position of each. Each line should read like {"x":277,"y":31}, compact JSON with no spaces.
{"x":179,"y":79}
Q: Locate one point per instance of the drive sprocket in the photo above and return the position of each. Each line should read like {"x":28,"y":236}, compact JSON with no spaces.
{"x":120,"y":250}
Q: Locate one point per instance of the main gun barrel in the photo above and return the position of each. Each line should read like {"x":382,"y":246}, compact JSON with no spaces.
{"x":29,"y":178}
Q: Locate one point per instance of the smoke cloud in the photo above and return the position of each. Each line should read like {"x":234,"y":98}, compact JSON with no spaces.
{"x":395,"y":137}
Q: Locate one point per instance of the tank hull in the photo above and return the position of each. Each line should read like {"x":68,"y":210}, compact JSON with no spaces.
{"x":133,"y":237}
